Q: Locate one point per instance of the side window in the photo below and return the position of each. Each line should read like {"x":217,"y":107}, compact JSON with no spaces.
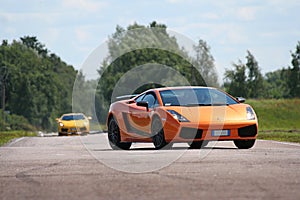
{"x":156,"y":104}
{"x":150,"y":98}
{"x":139,"y":98}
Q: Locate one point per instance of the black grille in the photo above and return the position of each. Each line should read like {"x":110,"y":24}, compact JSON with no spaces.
{"x":64,"y":130}
{"x":248,"y":131}
{"x":191,"y":133}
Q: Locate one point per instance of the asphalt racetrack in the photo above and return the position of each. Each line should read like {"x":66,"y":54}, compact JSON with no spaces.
{"x":85,"y":167}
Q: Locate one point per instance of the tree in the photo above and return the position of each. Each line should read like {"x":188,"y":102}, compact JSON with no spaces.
{"x":154,"y":49}
{"x":255,"y":81}
{"x":294,"y":77}
{"x":245,"y":79}
{"x":277,"y":84}
{"x":204,"y":63}
{"x":235,"y":80}
{"x":33,"y":43}
{"x":83,"y":96}
{"x":39,"y":86}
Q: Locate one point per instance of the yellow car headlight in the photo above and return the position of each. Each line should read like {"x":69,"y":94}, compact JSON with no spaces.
{"x":61,"y":124}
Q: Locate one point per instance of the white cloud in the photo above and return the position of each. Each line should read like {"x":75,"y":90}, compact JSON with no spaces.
{"x":247,"y":13}
{"x":82,"y":35}
{"x":222,"y":33}
{"x":210,"y":15}
{"x":176,"y":1}
{"x":84,"y":5}
{"x":11,"y":17}
{"x":282,"y":4}
{"x":173,"y":1}
{"x":51,"y":35}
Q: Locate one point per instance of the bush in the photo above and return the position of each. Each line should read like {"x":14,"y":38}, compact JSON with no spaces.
{"x":14,"y":122}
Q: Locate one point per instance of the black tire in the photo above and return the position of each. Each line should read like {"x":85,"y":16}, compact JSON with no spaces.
{"x":114,"y":137}
{"x":244,"y":144}
{"x":158,"y":135}
{"x":195,"y":145}
{"x":205,"y":143}
{"x":60,"y":134}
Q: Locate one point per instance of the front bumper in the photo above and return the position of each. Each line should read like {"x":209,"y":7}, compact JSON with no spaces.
{"x":73,"y":130}
{"x":196,"y":132}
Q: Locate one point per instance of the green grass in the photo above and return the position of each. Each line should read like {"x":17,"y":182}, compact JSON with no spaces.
{"x":278,"y":119}
{"x":6,"y":136}
{"x":280,"y":136}
{"x":95,"y":126}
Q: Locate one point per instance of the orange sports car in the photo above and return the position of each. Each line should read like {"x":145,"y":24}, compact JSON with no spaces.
{"x":194,"y":115}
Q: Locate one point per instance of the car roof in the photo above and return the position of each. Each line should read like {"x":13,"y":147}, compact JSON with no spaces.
{"x":164,"y":89}
{"x":68,"y":114}
{"x":177,"y":87}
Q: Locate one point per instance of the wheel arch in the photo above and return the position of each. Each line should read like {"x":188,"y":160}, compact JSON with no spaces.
{"x":155,"y":116}
{"x":109,"y":117}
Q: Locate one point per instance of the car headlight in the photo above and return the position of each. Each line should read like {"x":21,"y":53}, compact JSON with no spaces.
{"x":250,"y":113}
{"x":178,"y":116}
{"x":61,"y":124}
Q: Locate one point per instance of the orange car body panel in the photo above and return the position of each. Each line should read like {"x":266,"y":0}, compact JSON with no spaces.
{"x":206,"y":118}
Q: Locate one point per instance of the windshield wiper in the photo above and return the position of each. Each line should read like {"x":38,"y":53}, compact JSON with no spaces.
{"x":220,"y":104}
{"x":206,"y":104}
{"x":197,"y":104}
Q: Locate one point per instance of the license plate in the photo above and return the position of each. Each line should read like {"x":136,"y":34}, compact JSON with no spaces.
{"x":73,"y":129}
{"x":218,"y":133}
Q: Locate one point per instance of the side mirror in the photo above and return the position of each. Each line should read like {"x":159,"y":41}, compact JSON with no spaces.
{"x":143,"y":104}
{"x":241,"y":99}
{"x":57,"y":119}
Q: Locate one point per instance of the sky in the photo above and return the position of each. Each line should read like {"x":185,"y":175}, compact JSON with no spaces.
{"x":73,"y":29}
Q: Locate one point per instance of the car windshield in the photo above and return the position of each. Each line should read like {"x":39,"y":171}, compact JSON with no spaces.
{"x":195,"y":97}
{"x":72,"y":117}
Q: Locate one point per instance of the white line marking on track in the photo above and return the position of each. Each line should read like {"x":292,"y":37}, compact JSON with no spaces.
{"x":287,"y":143}
{"x":15,"y":141}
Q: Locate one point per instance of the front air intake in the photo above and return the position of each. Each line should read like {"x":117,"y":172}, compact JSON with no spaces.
{"x":191,"y":133}
{"x":248,"y":131}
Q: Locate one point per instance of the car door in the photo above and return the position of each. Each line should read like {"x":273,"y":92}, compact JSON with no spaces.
{"x":140,"y":117}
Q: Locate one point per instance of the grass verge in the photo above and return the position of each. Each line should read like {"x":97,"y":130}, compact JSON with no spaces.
{"x":95,"y":126}
{"x":277,"y":114}
{"x":278,"y":119}
{"x":282,"y":136}
{"x":6,"y":136}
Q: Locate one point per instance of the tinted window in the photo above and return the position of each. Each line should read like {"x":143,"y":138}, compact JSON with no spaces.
{"x":195,"y":97}
{"x":73,"y":117}
{"x":150,"y":98}
{"x":138,"y":99}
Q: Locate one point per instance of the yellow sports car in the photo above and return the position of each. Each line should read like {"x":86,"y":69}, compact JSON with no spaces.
{"x":73,"y":123}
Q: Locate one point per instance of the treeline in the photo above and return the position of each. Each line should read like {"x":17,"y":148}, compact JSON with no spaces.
{"x":38,"y":85}
{"x":142,"y":57}
{"x":246,"y":79}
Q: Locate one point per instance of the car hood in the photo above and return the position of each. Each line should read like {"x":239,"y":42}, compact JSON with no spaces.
{"x":74,"y":123}
{"x":235,"y":112}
